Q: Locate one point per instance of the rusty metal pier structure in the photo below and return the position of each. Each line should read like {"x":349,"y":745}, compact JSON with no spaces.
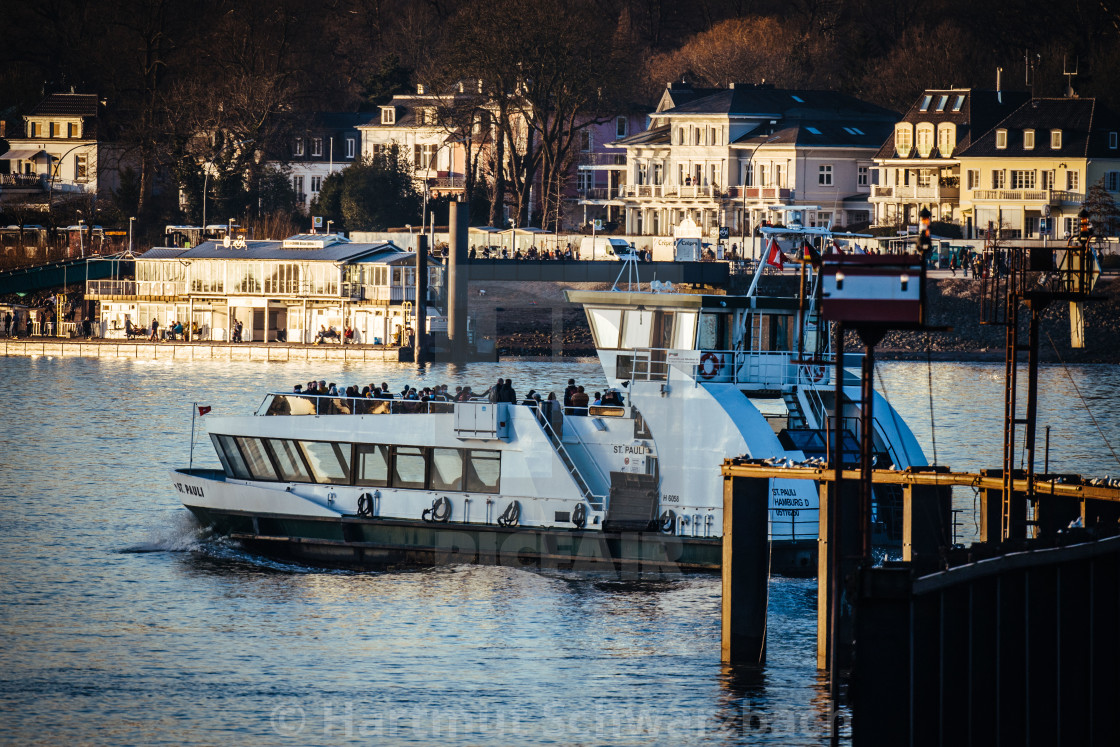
{"x":1013,"y":640}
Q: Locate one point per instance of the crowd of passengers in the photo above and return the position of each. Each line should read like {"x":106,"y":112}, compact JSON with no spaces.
{"x":575,"y":398}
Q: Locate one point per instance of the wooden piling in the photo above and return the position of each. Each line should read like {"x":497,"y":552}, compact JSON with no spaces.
{"x":746,"y":570}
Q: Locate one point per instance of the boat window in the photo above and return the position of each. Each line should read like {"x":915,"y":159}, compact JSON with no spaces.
{"x":484,"y":470}
{"x":373,"y":465}
{"x":637,"y":330}
{"x":605,"y":324}
{"x":710,"y":332}
{"x":663,"y":330}
{"x":408,"y":467}
{"x":447,"y":469}
{"x":287,"y":458}
{"x":228,"y":463}
{"x":329,"y":462}
{"x":256,"y":458}
{"x":684,"y":334}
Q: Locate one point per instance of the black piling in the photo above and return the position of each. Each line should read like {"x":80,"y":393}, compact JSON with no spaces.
{"x":746,"y":574}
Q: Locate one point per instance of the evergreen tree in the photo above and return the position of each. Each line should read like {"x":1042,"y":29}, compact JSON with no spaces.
{"x":372,"y":194}
{"x":1103,"y":211}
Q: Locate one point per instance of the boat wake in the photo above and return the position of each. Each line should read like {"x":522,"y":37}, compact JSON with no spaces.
{"x":182,"y":534}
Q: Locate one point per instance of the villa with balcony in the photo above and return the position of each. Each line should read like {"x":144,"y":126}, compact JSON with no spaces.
{"x":56,"y":153}
{"x":413,"y":124}
{"x":1027,"y":176}
{"x":735,"y":157}
{"x":280,"y":290}
{"x":918,"y":165}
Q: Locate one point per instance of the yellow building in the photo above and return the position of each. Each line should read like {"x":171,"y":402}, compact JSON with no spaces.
{"x":1027,"y":176}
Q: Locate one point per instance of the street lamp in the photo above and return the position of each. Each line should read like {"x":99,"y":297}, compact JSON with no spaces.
{"x":747,"y":173}
{"x":206,"y":174}
{"x":130,"y":220}
{"x":54,"y":172}
{"x":329,"y":226}
{"x":512,"y":238}
{"x":81,"y":241}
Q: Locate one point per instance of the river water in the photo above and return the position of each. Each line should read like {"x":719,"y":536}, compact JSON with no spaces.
{"x":120,"y":623}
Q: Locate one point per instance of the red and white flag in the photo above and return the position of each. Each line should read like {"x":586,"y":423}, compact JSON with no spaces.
{"x":203,"y":409}
{"x":774,"y":256}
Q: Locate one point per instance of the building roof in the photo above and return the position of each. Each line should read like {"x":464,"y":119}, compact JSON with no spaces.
{"x":653,"y":136}
{"x":822,"y":133}
{"x":766,"y":101}
{"x":978,"y":112}
{"x":299,"y":249}
{"x":1085,"y":126}
{"x":67,"y":105}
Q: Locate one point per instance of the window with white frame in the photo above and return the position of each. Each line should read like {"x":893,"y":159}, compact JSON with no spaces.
{"x":388,"y":115}
{"x":422,"y":156}
{"x":583,"y":181}
{"x":972,"y":179}
{"x":680,"y":136}
{"x":81,"y":167}
{"x":748,"y":175}
{"x":1112,"y":181}
{"x":1028,"y":139}
{"x":297,"y":186}
{"x":316,"y":146}
{"x":1073,"y":181}
{"x":863,"y":176}
{"x":999,"y":177}
{"x":946,"y":138}
{"x":903,"y":140}
{"x":780,"y":175}
{"x":620,"y":127}
{"x":1047,"y":179}
{"x":824,"y":175}
{"x":349,"y":147}
{"x":1022,"y":179}
{"x":924,"y":139}
{"x":1001,"y":139}
{"x":316,"y":183}
{"x":763,"y":175}
{"x":1055,"y":139}
{"x":297,"y":147}
{"x":925,"y":178}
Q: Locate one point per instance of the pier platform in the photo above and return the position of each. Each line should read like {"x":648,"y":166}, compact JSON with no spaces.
{"x":203,"y":350}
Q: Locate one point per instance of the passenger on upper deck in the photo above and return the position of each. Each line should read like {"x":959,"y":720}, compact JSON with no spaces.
{"x":494,"y":393}
{"x":572,"y":389}
{"x":579,"y":401}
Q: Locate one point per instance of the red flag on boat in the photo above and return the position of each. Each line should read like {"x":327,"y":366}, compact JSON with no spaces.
{"x":774,"y":256}
{"x":203,"y":409}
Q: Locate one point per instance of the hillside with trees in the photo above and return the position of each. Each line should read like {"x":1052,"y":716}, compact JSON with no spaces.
{"x":246,"y":71}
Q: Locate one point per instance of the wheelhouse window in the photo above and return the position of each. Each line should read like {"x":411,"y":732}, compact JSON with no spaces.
{"x":329,"y":462}
{"x":230,"y":457}
{"x":409,"y":467}
{"x":638,"y":329}
{"x":260,"y":466}
{"x":484,"y":469}
{"x":372,"y":465}
{"x":447,"y":469}
{"x":287,"y":457}
{"x":605,"y":326}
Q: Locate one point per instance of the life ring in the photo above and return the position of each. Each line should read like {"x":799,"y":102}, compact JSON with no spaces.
{"x":709,"y":365}
{"x":815,"y":374}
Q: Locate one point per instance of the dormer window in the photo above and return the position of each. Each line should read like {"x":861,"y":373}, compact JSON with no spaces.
{"x":1028,"y":139}
{"x":1001,"y":139}
{"x":316,"y":146}
{"x":946,"y":138}
{"x":1055,"y":139}
{"x":1113,"y":140}
{"x":903,"y":140}
{"x":797,"y":98}
{"x":958,"y":103}
{"x":388,"y":115}
{"x":297,"y":147}
{"x":924,"y":106}
{"x":349,"y":147}
{"x":941,"y":102}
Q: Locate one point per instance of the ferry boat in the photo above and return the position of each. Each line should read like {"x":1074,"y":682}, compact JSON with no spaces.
{"x":635,"y":485}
